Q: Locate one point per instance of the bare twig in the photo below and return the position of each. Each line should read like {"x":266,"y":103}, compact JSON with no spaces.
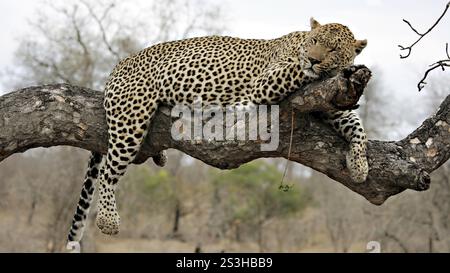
{"x":54,"y":68}
{"x":446,"y":50}
{"x":421,"y":35}
{"x":442,"y":63}
{"x":190,"y":27}
{"x":282,"y":186}
{"x":87,"y":61}
{"x":167,"y":20}
{"x":397,"y":240}
{"x":99,"y":22}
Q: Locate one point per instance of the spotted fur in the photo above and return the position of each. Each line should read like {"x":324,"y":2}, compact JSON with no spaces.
{"x":219,"y":70}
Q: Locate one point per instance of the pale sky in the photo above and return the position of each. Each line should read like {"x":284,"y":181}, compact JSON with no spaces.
{"x":378,"y":21}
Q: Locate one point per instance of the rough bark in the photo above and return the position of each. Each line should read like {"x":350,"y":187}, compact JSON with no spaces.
{"x":61,"y":114}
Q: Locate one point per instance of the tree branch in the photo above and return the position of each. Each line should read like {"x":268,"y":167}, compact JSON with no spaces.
{"x":62,"y":114}
{"x":442,"y":63}
{"x":421,"y":35}
{"x":99,"y":22}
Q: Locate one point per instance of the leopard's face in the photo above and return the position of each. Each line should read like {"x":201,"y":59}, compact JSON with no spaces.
{"x":328,"y":49}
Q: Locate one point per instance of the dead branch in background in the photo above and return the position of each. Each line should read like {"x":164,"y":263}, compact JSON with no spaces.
{"x":101,"y":27}
{"x":442,"y":63}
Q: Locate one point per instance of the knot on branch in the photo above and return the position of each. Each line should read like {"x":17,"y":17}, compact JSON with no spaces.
{"x":351,"y":84}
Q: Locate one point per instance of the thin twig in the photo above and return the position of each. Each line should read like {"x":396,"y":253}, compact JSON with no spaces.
{"x":446,"y":50}
{"x":397,"y":240}
{"x":99,"y":22}
{"x":442,"y":64}
{"x":53,"y":66}
{"x":282,"y":186}
{"x":421,"y":35}
{"x":409,"y":24}
{"x":79,"y":37}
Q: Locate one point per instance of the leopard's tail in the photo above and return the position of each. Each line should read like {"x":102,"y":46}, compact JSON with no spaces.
{"x":86,"y":196}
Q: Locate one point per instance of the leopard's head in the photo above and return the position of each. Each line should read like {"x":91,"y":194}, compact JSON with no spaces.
{"x":329,"y":48}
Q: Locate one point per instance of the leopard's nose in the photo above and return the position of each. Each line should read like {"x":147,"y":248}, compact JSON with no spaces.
{"x":313,"y":61}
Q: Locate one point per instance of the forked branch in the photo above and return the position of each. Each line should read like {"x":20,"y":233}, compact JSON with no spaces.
{"x":439,"y":64}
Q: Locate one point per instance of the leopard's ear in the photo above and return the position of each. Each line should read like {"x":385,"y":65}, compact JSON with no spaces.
{"x":360,"y":45}
{"x":313,"y":23}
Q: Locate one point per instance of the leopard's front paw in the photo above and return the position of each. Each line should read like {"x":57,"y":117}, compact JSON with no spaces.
{"x":357,"y":164}
{"x":108,"y":222}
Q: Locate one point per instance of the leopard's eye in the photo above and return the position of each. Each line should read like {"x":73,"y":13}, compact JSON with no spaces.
{"x":332,"y":50}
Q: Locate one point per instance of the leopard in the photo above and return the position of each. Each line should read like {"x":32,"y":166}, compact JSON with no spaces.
{"x":220,"y":70}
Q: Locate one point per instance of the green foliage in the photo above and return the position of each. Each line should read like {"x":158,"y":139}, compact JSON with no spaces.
{"x":154,"y":186}
{"x":250,"y":193}
{"x":157,"y":182}
{"x":247,"y":197}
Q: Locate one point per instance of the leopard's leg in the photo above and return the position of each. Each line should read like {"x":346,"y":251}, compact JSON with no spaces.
{"x":127,"y":128}
{"x":87,"y":193}
{"x":348,"y":124}
{"x":86,"y":196}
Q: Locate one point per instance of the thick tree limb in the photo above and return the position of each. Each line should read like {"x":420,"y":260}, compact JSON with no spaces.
{"x":61,"y":114}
